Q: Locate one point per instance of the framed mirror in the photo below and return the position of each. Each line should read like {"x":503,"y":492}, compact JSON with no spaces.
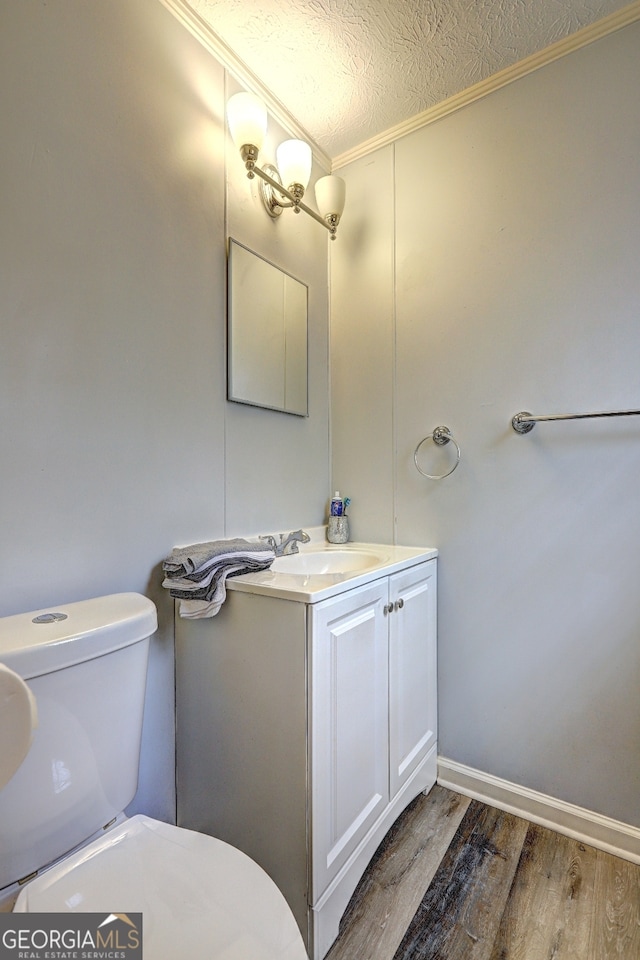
{"x":267,"y":334}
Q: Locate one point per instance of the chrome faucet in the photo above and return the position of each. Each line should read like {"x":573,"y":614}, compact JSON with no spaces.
{"x":287,"y":545}
{"x":290,"y":545}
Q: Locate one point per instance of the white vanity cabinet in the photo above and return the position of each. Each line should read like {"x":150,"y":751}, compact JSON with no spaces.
{"x":305,"y":726}
{"x":373,"y":708}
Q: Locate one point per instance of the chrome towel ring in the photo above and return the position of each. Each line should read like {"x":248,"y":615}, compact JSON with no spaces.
{"x":441,"y":436}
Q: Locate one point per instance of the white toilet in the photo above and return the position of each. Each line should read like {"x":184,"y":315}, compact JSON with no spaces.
{"x":65,"y":843}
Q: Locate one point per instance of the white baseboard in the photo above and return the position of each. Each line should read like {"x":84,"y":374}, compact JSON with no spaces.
{"x":591,"y":828}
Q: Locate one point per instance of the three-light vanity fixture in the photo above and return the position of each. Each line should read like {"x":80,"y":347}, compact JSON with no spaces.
{"x":284,"y":185}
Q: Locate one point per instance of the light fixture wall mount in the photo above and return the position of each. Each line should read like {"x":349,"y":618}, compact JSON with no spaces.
{"x":247,"y":120}
{"x":273,"y":205}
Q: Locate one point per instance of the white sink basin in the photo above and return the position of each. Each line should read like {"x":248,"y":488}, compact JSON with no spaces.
{"x":318,"y":562}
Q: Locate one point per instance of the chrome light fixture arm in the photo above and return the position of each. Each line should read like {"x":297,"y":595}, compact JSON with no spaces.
{"x":272,"y":185}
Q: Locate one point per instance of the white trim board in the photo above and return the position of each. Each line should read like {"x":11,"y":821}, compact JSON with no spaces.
{"x":612,"y":836}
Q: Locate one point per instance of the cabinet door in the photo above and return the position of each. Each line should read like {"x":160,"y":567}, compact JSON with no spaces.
{"x":348,"y":725}
{"x":412,"y":670}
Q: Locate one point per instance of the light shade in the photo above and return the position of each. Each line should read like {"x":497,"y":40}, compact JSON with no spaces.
{"x":330,"y":196}
{"x":293,"y":158}
{"x":247,"y":119}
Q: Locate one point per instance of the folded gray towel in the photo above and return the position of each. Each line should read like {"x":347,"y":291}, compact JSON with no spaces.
{"x":198,"y":572}
{"x":184,"y":561}
{"x":187,"y":588}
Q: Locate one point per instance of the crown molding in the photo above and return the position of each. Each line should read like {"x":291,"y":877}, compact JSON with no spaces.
{"x":238,"y":69}
{"x":582,"y":38}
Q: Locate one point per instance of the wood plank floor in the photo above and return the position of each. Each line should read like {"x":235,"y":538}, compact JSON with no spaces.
{"x":455,"y":879}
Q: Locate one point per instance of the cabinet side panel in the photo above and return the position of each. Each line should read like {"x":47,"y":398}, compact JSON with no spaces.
{"x":241,"y":734}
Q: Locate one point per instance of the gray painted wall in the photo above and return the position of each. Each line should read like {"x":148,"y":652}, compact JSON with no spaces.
{"x":489,"y":264}
{"x":512,"y":283}
{"x":117,"y":440}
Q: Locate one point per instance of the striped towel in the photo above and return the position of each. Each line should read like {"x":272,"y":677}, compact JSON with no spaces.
{"x":196,"y":575}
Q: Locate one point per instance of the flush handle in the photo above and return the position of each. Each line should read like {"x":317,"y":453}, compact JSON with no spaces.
{"x":49,"y":618}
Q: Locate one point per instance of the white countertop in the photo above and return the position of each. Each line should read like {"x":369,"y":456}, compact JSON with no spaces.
{"x":311,"y":588}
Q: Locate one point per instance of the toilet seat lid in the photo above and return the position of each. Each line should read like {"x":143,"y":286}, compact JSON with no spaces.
{"x":18,"y":719}
{"x":199,"y":897}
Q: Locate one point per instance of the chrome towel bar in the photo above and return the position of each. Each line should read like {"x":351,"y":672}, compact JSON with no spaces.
{"x":524,"y":422}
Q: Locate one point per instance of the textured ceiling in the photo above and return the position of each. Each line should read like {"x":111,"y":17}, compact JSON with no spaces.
{"x":347,"y":70}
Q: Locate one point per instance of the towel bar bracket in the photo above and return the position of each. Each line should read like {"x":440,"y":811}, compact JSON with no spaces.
{"x":522,"y":425}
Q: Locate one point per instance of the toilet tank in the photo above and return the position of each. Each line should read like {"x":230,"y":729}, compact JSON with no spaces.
{"x":86,"y":664}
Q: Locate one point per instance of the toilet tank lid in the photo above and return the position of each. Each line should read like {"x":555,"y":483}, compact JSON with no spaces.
{"x":46,"y":640}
